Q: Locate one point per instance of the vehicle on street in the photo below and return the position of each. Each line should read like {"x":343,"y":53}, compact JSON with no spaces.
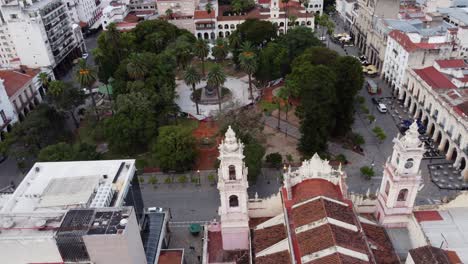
{"x":85,"y":56}
{"x":375,"y":101}
{"x":371,"y":71}
{"x":382,"y":108}
{"x":323,"y":38}
{"x":372,"y":87}
{"x":3,"y":157}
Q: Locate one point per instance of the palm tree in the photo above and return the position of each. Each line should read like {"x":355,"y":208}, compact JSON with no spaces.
{"x":86,"y":76}
{"x":284,"y":94}
{"x":113,"y":38}
{"x":234,"y":46}
{"x":237,"y":7}
{"x":44,"y":78}
{"x":220,"y":50}
{"x":169,"y":13}
{"x":286,"y":2}
{"x":201,"y":50}
{"x":56,"y":88}
{"x":216,"y":78}
{"x":209,"y":9}
{"x":192,"y":78}
{"x":136,"y":67}
{"x":248,"y":63}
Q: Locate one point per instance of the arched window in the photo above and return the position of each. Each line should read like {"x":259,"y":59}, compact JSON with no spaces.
{"x":220,"y":26}
{"x":233,"y":201}
{"x":282,"y":24}
{"x":309,"y":23}
{"x":402,"y":195}
{"x":387,"y":188}
{"x":233,"y":26}
{"x":206,"y":36}
{"x":232,"y":172}
{"x":199,"y":35}
{"x":226,"y":26}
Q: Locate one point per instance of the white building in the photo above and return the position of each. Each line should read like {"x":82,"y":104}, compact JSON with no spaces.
{"x":86,"y":13}
{"x":42,"y":34}
{"x":73,"y":212}
{"x":126,"y":14}
{"x":413,"y":50}
{"x":438,"y":96}
{"x":345,"y":9}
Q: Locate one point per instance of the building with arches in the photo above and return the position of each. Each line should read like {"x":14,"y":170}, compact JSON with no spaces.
{"x":437,"y":96}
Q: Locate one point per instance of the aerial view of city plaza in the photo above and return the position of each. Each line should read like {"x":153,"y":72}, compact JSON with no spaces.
{"x":233,"y":131}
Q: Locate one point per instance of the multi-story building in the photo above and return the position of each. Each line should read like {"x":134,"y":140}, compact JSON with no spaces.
{"x":127,"y":14}
{"x":438,"y":96}
{"x":458,"y":17}
{"x":8,"y":56}
{"x":42,"y":33}
{"x":84,"y":12}
{"x":367,"y":36}
{"x":414,"y":49}
{"x":346,"y":10}
{"x":75,"y":212}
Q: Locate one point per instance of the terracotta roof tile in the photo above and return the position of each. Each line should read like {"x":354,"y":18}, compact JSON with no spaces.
{"x":382,"y":247}
{"x":282,"y":257}
{"x":255,"y":221}
{"x":267,"y":237}
{"x":321,"y":208}
{"x":337,"y":258}
{"x":170,"y":257}
{"x":455,"y":63}
{"x":217,"y":254}
{"x":14,"y":80}
{"x":429,"y":254}
{"x":411,"y":46}
{"x":423,"y":216}
{"x":202,"y":14}
{"x":315,"y":187}
{"x":434,"y":78}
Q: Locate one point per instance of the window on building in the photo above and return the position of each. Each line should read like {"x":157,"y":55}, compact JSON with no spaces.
{"x":2,"y":114}
{"x":233,"y":201}
{"x":232,"y":173}
{"x":402,"y":195}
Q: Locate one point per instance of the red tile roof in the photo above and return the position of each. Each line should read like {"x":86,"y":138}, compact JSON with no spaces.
{"x":423,"y":216}
{"x":217,"y":254}
{"x":170,"y":257}
{"x":429,"y":254}
{"x":337,"y":258}
{"x":453,"y":257}
{"x":434,"y":78}
{"x":263,"y":2}
{"x":451,"y":63}
{"x":321,"y":208}
{"x":315,"y":187}
{"x":282,"y":257}
{"x":409,"y":45}
{"x":202,"y":14}
{"x":381,"y":244}
{"x":328,"y":235}
{"x":267,"y":237}
{"x":462,"y":109}
{"x":14,"y":80}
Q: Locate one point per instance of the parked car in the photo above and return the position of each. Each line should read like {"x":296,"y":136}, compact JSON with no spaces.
{"x":382,"y":108}
{"x":375,"y":101}
{"x":85,"y":56}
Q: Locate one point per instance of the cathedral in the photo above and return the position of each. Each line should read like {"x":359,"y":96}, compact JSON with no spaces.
{"x":313,"y":218}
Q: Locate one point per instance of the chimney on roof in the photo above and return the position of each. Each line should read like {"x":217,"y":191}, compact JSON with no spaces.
{"x":22,"y":69}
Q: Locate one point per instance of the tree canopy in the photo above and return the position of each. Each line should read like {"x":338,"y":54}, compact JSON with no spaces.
{"x":67,"y":152}
{"x":258,"y":32}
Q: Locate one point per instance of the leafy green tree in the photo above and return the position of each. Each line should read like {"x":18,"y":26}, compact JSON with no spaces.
{"x":66,"y":152}
{"x":349,"y":80}
{"x":317,"y":88}
{"x":272,"y":62}
{"x":192,"y":78}
{"x":367,"y":172}
{"x":235,"y":47}
{"x":297,"y":40}
{"x":175,"y":148}
{"x":239,"y":6}
{"x":169,"y":13}
{"x":66,"y":98}
{"x":217,"y":78}
{"x":183,"y":50}
{"x":220,"y":50}
{"x":44,"y":79}
{"x":248,"y":63}
{"x":318,"y":56}
{"x":133,"y":125}
{"x":201,"y":50}
{"x":284,"y":94}
{"x":137,"y":67}
{"x":42,"y":127}
{"x":258,"y":32}
{"x":274,"y":159}
{"x":86,"y":76}
{"x":254,"y":153}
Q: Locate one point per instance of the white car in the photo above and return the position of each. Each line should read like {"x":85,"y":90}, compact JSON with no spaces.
{"x":323,"y":38}
{"x":85,"y":56}
{"x":382,"y":108}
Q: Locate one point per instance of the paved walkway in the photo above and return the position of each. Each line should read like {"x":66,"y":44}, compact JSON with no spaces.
{"x":239,"y":88}
{"x":285,"y":127}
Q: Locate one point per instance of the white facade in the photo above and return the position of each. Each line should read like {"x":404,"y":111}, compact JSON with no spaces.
{"x":7,"y":112}
{"x":315,"y":7}
{"x":85,"y":11}
{"x":232,"y":186}
{"x":401,"y":180}
{"x":345,"y":9}
{"x":8,"y":56}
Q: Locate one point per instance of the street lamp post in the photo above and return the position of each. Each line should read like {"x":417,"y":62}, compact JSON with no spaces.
{"x":199,"y":177}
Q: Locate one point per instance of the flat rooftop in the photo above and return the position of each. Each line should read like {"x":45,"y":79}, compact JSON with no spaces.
{"x":51,"y":189}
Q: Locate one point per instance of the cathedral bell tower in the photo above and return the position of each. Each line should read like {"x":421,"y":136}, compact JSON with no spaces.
{"x":401,"y":180}
{"x":232,"y":186}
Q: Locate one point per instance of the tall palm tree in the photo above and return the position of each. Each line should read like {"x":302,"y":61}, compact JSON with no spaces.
{"x":284,"y":94}
{"x":44,"y":78}
{"x":220,"y":50}
{"x":113,"y":38}
{"x":217,"y":78}
{"x":235,"y":45}
{"x":86,"y":76}
{"x":209,"y":9}
{"x":286,"y":5}
{"x":201,"y":50}
{"x":192,"y":78}
{"x":248,"y":63}
{"x":136,"y":67}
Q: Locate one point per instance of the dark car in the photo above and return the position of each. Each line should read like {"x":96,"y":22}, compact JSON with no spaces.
{"x":3,"y":157}
{"x":375,"y":101}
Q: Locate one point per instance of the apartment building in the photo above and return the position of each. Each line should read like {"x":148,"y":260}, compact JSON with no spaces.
{"x":414,"y":49}
{"x":346,"y":10}
{"x":86,"y":13}
{"x":438,"y":96}
{"x":42,"y":33}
